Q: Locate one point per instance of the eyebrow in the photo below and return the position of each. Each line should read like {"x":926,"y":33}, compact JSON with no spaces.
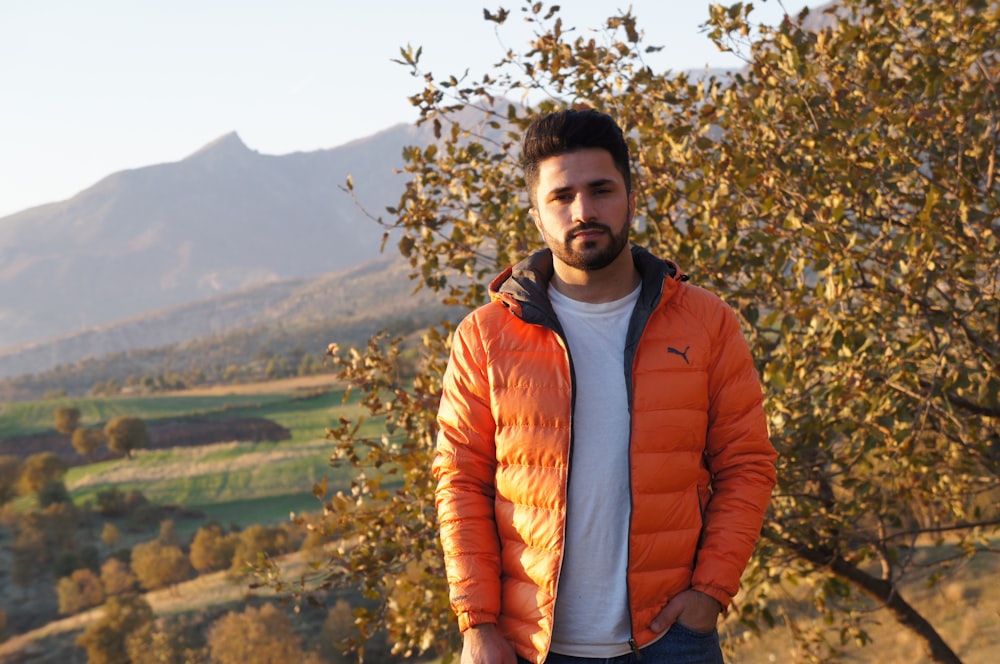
{"x":601,"y":182}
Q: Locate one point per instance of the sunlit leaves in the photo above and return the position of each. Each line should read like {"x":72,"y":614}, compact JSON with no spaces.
{"x":840,"y":192}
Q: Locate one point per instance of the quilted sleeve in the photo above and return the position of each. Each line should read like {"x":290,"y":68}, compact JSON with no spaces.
{"x":740,"y":458}
{"x":464,"y":467}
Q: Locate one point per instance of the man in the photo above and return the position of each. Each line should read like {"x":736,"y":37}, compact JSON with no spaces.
{"x":603,"y":463}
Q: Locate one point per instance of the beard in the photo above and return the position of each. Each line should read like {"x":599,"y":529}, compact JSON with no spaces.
{"x":592,"y":254}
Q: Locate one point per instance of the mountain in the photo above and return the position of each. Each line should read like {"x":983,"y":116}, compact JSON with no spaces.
{"x":317,"y":308}
{"x":223,"y":219}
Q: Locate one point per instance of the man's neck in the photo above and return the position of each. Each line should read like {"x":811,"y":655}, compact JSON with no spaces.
{"x":605,"y":285}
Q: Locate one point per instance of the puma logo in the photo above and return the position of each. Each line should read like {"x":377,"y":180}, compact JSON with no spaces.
{"x":682,"y":353}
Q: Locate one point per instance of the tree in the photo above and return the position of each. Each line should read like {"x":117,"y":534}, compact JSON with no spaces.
{"x":212,"y":549}
{"x":39,"y":470}
{"x":81,"y":590}
{"x":110,"y":535}
{"x":255,"y":541}
{"x":126,"y":434}
{"x":87,"y":441}
{"x":166,"y":642}
{"x":168,"y":534}
{"x":256,"y":635}
{"x":117,"y":578}
{"x":10,"y":474}
{"x":158,"y":566}
{"x":54,"y":492}
{"x":105,"y":639}
{"x":31,"y":558}
{"x":67,"y":419}
{"x":839,"y":191}
{"x":110,"y":502}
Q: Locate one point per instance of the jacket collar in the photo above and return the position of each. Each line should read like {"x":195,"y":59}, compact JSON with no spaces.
{"x":523,"y":288}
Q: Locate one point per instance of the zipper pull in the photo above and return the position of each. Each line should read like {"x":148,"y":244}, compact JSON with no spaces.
{"x":635,"y":650}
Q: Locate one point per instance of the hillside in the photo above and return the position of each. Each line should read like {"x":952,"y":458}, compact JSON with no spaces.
{"x":225,"y":218}
{"x":242,"y":329}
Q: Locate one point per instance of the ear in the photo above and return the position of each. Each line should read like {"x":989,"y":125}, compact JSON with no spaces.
{"x":535,"y":218}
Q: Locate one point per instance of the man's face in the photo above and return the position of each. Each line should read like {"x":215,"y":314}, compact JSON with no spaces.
{"x":582,"y":209}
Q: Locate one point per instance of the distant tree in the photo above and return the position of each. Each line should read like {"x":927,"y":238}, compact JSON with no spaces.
{"x":110,"y":502}
{"x":39,"y":470}
{"x":54,"y":492}
{"x":87,"y":441}
{"x":117,"y":578}
{"x":107,"y":388}
{"x":167,"y":642}
{"x":258,"y":540}
{"x":168,"y":534}
{"x":212,"y":549}
{"x":158,"y":566}
{"x":126,"y":434}
{"x":69,"y":560}
{"x":10,"y":474}
{"x":338,"y":632}
{"x":30,"y":558}
{"x":81,"y":590}
{"x":256,"y":636}
{"x":104,"y":640}
{"x":67,"y":419}
{"x":110,"y":535}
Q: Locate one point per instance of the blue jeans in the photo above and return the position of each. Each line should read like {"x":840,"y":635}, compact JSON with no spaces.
{"x":679,"y":645}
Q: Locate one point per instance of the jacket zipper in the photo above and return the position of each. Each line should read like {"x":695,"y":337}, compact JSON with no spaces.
{"x":569,"y":465}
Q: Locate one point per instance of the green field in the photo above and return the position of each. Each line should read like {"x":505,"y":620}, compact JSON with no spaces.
{"x":233,"y":482}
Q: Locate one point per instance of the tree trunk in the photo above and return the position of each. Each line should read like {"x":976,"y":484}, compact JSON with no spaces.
{"x":881,"y":591}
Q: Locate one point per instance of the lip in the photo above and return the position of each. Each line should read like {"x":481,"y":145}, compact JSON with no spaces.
{"x":588,"y":233}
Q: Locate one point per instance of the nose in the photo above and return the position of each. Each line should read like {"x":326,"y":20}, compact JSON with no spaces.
{"x":583,"y":209}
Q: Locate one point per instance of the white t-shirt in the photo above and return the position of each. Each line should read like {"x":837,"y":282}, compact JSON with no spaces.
{"x":591,"y":612}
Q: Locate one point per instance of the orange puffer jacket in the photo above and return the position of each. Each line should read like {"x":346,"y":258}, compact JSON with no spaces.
{"x":702,"y":467}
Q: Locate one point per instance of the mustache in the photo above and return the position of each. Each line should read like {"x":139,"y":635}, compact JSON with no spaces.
{"x":587,"y":227}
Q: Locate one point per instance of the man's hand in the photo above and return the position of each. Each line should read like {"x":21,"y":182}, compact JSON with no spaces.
{"x":695,"y":610}
{"x":483,"y":644}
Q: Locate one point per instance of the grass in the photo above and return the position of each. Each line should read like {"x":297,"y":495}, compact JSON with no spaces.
{"x":22,"y":418}
{"x":225,"y":473}
{"x":266,"y":511}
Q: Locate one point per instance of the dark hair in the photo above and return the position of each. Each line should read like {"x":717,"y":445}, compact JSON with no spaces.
{"x":567,"y":131}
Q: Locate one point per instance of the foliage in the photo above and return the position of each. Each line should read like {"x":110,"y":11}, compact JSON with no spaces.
{"x":105,"y":638}
{"x":39,"y":470}
{"x":256,"y":636}
{"x":840,"y":192}
{"x":166,"y":642}
{"x":260,"y":541}
{"x":68,"y":561}
{"x":117,"y":578}
{"x":110,"y":534}
{"x":126,"y":434}
{"x":158,"y":565}
{"x":168,"y":534}
{"x":110,"y":502}
{"x":53,"y":492}
{"x":86,"y":441}
{"x":212,"y":549}
{"x":67,"y":419}
{"x":81,"y":590}
{"x":31,"y":558}
{"x":10,"y":473}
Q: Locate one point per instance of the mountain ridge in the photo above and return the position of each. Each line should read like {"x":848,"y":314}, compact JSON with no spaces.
{"x":222,"y":219}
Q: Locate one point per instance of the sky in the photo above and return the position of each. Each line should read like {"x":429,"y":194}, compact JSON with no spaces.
{"x":91,"y":88}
